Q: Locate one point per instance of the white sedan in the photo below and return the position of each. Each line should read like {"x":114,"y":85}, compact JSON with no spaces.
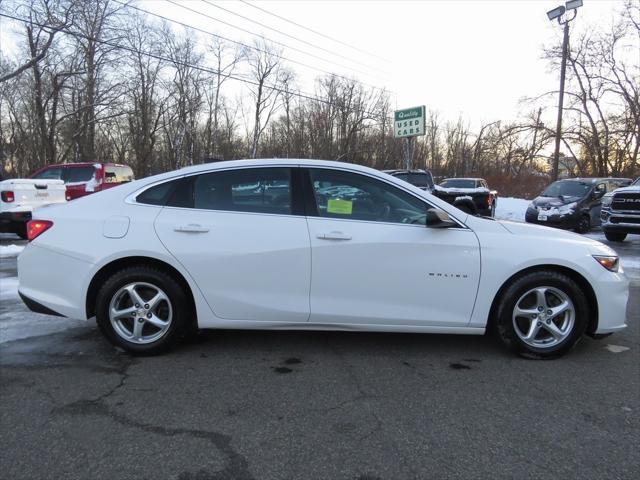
{"x":315,"y":245}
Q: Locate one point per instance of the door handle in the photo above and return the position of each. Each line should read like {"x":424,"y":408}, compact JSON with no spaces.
{"x":334,"y":236}
{"x":191,"y":228}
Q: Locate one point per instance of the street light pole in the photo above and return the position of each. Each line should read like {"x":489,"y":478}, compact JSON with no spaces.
{"x":561,"y":14}
{"x":563,"y":69}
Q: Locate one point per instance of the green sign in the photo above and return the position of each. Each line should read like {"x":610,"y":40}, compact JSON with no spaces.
{"x":409,"y":122}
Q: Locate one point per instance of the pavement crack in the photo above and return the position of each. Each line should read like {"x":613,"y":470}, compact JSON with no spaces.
{"x":237,"y":465}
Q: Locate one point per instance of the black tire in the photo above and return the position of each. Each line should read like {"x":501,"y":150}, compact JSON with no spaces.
{"x":504,"y":321}
{"x":466,"y":205}
{"x":584,"y":224}
{"x":181,"y":319}
{"x":615,"y":236}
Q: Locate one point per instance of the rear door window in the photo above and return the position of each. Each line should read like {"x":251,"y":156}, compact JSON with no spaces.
{"x":256,"y":190}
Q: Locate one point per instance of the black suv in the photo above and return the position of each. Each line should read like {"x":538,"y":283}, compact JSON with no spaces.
{"x":572,"y":203}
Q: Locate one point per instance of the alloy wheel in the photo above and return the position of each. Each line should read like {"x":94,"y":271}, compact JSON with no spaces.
{"x":140,"y":313}
{"x":544,"y":317}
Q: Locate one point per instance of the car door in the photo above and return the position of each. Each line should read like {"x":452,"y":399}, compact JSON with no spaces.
{"x":243,"y":237}
{"x":375,"y":262}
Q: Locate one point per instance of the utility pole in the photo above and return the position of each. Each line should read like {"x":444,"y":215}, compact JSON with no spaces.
{"x":408,"y":147}
{"x":563,"y":69}
{"x":560,"y":13}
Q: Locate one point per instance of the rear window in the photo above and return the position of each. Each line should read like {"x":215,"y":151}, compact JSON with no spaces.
{"x":458,"y":183}
{"x":78,"y":174}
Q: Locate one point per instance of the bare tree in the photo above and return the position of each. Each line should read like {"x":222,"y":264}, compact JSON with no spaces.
{"x":266,"y":73}
{"x":46,"y":19}
{"x":227,"y":59}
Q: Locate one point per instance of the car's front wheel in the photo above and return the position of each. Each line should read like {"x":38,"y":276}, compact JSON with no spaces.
{"x":542,"y":315}
{"x":142,"y":310}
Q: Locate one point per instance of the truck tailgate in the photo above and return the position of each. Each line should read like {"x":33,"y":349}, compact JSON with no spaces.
{"x":29,"y":194}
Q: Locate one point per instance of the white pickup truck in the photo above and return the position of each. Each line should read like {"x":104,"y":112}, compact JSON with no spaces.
{"x":19,"y":197}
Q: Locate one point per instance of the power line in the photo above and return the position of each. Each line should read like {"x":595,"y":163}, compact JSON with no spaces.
{"x":284,"y":45}
{"x":215,"y":35}
{"x":373,"y":117}
{"x":293,"y":37}
{"x":252,"y":5}
{"x":186,"y":64}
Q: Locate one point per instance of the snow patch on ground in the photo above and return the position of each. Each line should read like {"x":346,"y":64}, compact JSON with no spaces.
{"x":10,"y":250}
{"x":8,"y":288}
{"x":20,"y":325}
{"x":17,"y":322}
{"x":511,"y":209}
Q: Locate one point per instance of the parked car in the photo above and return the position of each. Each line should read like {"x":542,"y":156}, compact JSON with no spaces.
{"x":420,"y":178}
{"x":84,"y":178}
{"x":470,"y":194}
{"x":572,"y":203}
{"x":19,"y":197}
{"x":474,"y":201}
{"x":344,"y":247}
{"x":621,"y":212}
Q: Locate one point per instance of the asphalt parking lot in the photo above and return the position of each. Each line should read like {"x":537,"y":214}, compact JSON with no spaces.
{"x":282,"y":405}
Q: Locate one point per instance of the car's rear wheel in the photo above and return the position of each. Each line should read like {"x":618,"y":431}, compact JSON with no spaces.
{"x":584,"y":224}
{"x":615,"y":236}
{"x":142,"y":310}
{"x":542,"y":315}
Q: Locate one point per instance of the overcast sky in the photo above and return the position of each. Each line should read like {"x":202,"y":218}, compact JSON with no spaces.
{"x":469,"y":58}
{"x":473,"y":59}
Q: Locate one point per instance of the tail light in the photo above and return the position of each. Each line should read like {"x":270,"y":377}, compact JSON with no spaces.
{"x":35,"y":228}
{"x":7,"y":196}
{"x":489,"y":200}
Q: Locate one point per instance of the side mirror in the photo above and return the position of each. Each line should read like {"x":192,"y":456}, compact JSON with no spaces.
{"x":439,"y":219}
{"x":598,"y":194}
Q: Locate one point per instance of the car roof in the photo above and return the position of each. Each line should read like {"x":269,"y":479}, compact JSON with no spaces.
{"x":462,"y":178}
{"x":84,"y":164}
{"x":591,"y":179}
{"x":404,"y":170}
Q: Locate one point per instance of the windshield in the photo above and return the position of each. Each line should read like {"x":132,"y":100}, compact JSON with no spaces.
{"x":458,"y":183}
{"x":637,"y":182}
{"x":566,"y":189}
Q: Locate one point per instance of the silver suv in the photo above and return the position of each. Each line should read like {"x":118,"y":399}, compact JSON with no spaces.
{"x":620,"y":213}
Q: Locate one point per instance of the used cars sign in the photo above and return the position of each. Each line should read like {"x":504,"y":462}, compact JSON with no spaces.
{"x":409,"y":122}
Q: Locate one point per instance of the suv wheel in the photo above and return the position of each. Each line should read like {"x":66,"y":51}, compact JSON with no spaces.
{"x":615,"y":236}
{"x":542,"y":315}
{"x":142,"y":310}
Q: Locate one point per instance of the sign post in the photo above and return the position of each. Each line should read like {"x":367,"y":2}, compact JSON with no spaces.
{"x":409,"y":123}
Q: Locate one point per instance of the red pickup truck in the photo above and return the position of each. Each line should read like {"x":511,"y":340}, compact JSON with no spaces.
{"x":82,"y":179}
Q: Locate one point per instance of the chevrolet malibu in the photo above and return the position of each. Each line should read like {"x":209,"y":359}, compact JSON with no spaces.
{"x":311,"y":245}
